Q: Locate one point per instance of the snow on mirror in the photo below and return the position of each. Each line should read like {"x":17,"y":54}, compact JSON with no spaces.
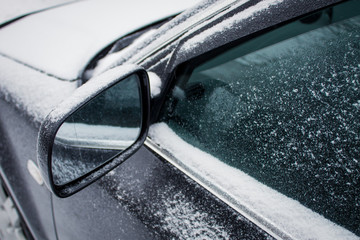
{"x":98,"y":131}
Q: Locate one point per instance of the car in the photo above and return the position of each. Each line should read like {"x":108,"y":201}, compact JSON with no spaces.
{"x":231,"y":120}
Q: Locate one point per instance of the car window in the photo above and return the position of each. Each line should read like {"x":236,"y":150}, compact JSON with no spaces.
{"x":283,"y":108}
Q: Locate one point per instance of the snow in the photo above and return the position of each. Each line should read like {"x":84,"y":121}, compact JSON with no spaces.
{"x":230,"y":22}
{"x":181,"y":218}
{"x":96,"y":136}
{"x":88,"y":131}
{"x":113,"y":59}
{"x":67,"y":169}
{"x":33,"y":92}
{"x":15,"y":8}
{"x":285,"y":213}
{"x":166,"y":33}
{"x":264,"y":203}
{"x":167,"y":209}
{"x":153,"y":38}
{"x":155,"y":84}
{"x":34,"y":172}
{"x":63,"y":46}
{"x":37,"y":94}
{"x":143,"y":42}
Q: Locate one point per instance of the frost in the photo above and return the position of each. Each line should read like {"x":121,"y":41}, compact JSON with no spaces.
{"x":282,"y":116}
{"x":228,"y":23}
{"x":170,"y":30}
{"x":32,"y":92}
{"x":250,"y":117}
{"x":249,"y":194}
{"x":79,"y":38}
{"x":167,"y":204}
{"x":66,"y":170}
{"x":155,"y":84}
{"x":357,"y":104}
{"x":113,"y":59}
{"x":182,"y":219}
{"x":16,"y":8}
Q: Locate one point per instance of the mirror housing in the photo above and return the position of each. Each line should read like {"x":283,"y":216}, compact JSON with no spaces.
{"x":80,"y":98}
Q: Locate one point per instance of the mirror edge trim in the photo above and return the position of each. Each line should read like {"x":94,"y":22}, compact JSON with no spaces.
{"x":81,"y":96}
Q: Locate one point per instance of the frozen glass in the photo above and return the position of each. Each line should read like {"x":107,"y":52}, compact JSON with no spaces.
{"x":287,"y":114}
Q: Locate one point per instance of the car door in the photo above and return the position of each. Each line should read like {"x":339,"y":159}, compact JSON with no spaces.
{"x":147,"y":197}
{"x":270,"y":124}
{"x":230,"y":154}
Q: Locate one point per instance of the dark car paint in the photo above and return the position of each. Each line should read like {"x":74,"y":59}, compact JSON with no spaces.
{"x":128,"y":204}
{"x":17,"y":146}
{"x":134,"y":201}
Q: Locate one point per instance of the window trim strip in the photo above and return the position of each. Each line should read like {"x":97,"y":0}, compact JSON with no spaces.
{"x":257,"y":219}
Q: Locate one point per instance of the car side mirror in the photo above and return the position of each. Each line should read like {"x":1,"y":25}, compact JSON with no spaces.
{"x":101,"y":125}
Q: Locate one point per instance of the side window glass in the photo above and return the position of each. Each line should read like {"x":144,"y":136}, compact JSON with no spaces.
{"x":287,"y":114}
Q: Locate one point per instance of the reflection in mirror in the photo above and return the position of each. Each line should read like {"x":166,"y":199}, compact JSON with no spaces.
{"x":98,"y":131}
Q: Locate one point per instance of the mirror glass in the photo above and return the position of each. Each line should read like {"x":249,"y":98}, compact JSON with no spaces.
{"x":99,"y":130}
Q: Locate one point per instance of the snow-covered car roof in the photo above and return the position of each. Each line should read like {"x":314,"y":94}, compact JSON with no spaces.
{"x":62,"y":41}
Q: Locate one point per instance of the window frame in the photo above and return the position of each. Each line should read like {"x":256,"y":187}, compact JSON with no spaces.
{"x":184,"y":68}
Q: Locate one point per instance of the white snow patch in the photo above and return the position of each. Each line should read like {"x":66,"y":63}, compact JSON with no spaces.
{"x":182,"y":219}
{"x":105,"y":132}
{"x":14,"y":8}
{"x":113,"y":59}
{"x":229,"y":23}
{"x":65,"y":39}
{"x":35,"y":172}
{"x":31,"y":91}
{"x":155,"y":84}
{"x":269,"y":205}
{"x":111,"y":173}
{"x":96,"y":136}
{"x":171,"y":29}
{"x":357,"y":104}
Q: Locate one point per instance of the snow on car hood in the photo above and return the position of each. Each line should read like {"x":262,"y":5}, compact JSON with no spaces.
{"x":61,"y":41}
{"x":11,"y":10}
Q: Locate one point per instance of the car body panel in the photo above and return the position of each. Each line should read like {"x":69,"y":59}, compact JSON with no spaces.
{"x":12,"y":12}
{"x":17,"y":147}
{"x":88,"y":26}
{"x":33,"y":93}
{"x":147,"y":198}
